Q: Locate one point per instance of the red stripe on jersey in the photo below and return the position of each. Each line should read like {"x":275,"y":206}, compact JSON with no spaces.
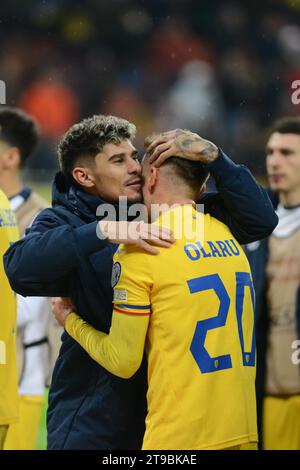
{"x":128,"y":312}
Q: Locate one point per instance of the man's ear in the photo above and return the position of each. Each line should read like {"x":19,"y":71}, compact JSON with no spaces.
{"x":12,"y":158}
{"x":83,"y":177}
{"x":152,"y":178}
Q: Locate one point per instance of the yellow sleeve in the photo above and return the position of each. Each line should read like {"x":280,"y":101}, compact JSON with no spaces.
{"x":121,"y":351}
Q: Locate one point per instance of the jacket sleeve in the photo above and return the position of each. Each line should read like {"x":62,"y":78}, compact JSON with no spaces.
{"x":41,"y":262}
{"x":241,"y":203}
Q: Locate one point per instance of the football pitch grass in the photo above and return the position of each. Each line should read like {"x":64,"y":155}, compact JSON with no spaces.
{"x":42,"y":434}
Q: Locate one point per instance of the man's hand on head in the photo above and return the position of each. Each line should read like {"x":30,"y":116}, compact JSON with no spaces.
{"x":61,"y":308}
{"x":184,"y":144}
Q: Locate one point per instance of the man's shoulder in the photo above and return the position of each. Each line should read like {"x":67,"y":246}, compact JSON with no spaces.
{"x":133,"y":258}
{"x":29,"y":209}
{"x":130,"y":252}
{"x":4,"y":202}
{"x":37,"y":201}
{"x":215,"y":228}
{"x":54,"y":216}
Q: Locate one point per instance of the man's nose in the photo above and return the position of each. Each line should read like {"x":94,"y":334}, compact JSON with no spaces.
{"x":274,"y":159}
{"x":135,"y":167}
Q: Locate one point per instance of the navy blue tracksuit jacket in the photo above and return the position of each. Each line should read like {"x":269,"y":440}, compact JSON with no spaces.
{"x":61,"y":256}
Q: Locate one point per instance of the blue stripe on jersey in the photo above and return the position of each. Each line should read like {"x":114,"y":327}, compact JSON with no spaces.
{"x":138,"y":307}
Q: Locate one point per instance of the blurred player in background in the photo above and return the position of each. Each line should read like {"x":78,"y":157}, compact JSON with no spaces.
{"x":61,"y":255}
{"x":275,"y":264}
{"x":8,"y":315}
{"x":193,"y":306}
{"x":18,"y":138}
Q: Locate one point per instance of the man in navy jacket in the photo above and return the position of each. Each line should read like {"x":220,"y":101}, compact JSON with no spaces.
{"x":62,"y":256}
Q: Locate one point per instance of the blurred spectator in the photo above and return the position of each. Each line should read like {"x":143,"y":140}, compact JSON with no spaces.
{"x":221,"y":67}
{"x":173,"y":45}
{"x":53,"y":104}
{"x":127,"y":103}
{"x":194,"y":101}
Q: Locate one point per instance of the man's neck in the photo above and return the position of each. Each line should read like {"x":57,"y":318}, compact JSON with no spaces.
{"x":10,"y":183}
{"x":290,"y":199}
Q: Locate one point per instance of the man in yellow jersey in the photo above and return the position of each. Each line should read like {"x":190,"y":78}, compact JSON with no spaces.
{"x":18,"y":137}
{"x":191,"y":307}
{"x":8,"y":314}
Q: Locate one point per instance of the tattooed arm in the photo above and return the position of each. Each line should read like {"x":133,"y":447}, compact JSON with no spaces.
{"x":184,"y":144}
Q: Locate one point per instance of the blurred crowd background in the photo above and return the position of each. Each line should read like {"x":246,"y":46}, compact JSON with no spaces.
{"x":220,"y":68}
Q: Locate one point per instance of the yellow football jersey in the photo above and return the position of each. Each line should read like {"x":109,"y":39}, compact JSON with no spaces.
{"x":8,"y":313}
{"x":200,"y":341}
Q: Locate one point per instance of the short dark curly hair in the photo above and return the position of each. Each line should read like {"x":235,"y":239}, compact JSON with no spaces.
{"x":20,"y":130}
{"x":88,"y":137}
{"x":287,"y":125}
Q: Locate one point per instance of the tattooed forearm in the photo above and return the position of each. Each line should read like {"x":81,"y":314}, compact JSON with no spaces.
{"x":210,"y":149}
{"x":183,"y":145}
{"x":191,"y":144}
